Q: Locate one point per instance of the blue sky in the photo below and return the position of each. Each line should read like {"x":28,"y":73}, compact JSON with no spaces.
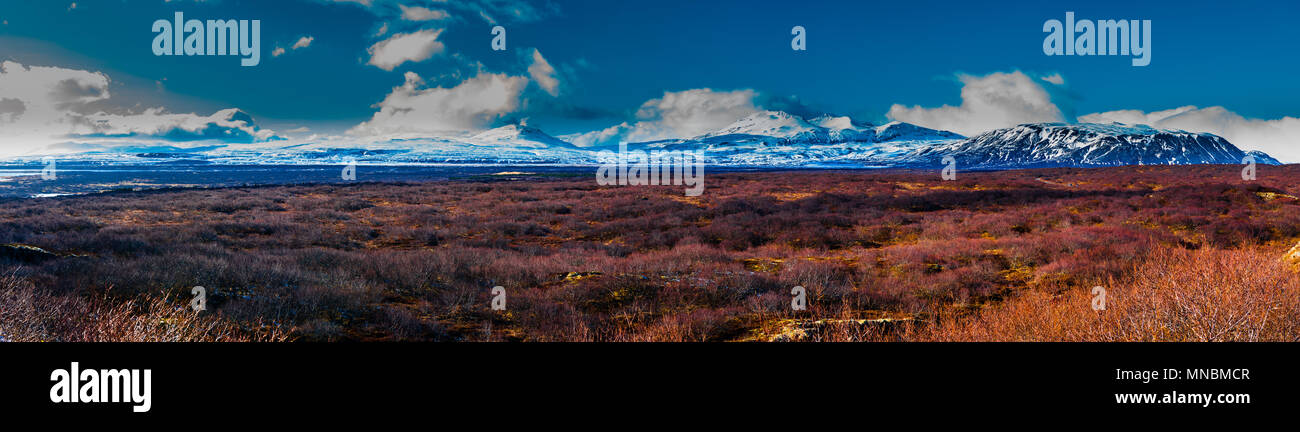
{"x":613,"y":62}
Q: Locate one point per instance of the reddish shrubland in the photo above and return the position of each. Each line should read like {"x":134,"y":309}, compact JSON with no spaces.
{"x":29,"y":315}
{"x":993,"y":256}
{"x":1206,"y":295}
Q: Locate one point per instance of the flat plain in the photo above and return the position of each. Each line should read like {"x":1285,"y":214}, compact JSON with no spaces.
{"x":1169,"y":253}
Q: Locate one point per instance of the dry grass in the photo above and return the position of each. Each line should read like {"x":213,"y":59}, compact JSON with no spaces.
{"x":29,"y":315}
{"x":1177,"y":295}
{"x":994,"y":256}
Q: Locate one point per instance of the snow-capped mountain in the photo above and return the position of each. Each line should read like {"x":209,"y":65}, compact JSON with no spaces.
{"x":773,"y":124}
{"x":505,"y":145}
{"x":821,"y":130}
{"x":776,"y":138}
{"x":515,"y":144}
{"x":519,"y":135}
{"x":764,"y":139}
{"x":1085,"y":144}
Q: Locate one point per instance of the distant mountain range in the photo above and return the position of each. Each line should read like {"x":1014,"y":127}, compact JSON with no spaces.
{"x":764,"y":139}
{"x":1086,"y":144}
{"x":774,"y":138}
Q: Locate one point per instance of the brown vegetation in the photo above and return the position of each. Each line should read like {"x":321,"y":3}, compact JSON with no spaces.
{"x":1185,"y":253}
{"x":27,"y":314}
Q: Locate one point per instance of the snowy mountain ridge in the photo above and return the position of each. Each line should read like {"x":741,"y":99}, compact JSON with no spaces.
{"x":1083,"y":145}
{"x":763,"y":139}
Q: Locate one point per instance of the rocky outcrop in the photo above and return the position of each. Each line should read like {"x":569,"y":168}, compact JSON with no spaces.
{"x":819,"y":330}
{"x":25,"y":253}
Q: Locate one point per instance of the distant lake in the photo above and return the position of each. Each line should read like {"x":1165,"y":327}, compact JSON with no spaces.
{"x":24,"y":181}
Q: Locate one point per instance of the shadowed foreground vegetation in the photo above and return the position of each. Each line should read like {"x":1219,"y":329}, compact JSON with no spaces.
{"x":1183,"y":253}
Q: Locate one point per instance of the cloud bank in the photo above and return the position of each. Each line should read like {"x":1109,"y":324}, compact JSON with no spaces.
{"x":411,"y":110}
{"x":676,"y":115}
{"x":988,"y":102}
{"x":416,"y":110}
{"x":50,"y":109}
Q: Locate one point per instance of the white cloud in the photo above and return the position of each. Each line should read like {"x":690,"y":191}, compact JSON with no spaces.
{"x":492,"y":11}
{"x":487,"y":18}
{"x":225,"y":124}
{"x":401,"y":48}
{"x":417,"y":13}
{"x":609,"y":135}
{"x":303,"y":42}
{"x":1134,"y":116}
{"x":411,"y":110}
{"x":508,"y":10}
{"x":693,"y":112}
{"x":680,"y":114}
{"x":989,"y":102}
{"x":544,"y":74}
{"x":418,"y":110}
{"x":43,"y":101}
{"x":1279,"y":138}
{"x":1055,"y":78}
{"x":42,"y":107}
